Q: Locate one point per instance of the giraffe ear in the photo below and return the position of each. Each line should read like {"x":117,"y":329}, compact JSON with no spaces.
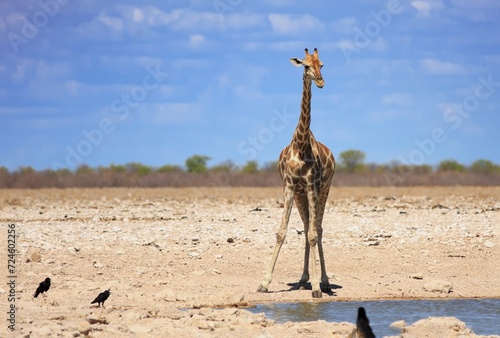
{"x":296,"y":62}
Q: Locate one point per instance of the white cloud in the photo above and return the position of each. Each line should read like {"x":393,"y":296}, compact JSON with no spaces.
{"x":286,"y":24}
{"x":400,"y":99}
{"x":424,"y":7}
{"x":478,"y":10}
{"x":196,"y":40}
{"x":137,"y":14}
{"x":170,"y":113}
{"x":345,"y":25}
{"x":114,"y":23}
{"x":280,"y":46}
{"x":433,"y":66}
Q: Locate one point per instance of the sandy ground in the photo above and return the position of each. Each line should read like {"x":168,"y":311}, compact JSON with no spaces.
{"x":170,"y":256}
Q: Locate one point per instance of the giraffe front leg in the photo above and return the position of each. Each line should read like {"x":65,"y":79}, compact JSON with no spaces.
{"x":313,"y":244}
{"x":316,"y":288}
{"x":280,"y":238}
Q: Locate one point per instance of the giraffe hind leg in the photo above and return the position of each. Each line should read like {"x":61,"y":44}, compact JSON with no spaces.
{"x":280,"y":238}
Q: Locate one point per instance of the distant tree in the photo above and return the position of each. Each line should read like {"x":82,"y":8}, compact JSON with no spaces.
{"x":422,"y":169}
{"x":251,"y":167}
{"x":63,"y":172}
{"x":26,"y":170}
{"x":197,"y":163}
{"x":117,"y":168}
{"x":84,"y":170}
{"x":352,"y":160}
{"x":225,"y":166}
{"x":138,"y":168}
{"x":451,"y":165}
{"x":168,"y":168}
{"x":484,"y":167}
{"x":271,"y":166}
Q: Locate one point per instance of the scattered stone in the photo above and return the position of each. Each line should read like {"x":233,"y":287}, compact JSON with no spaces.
{"x":93,"y":319}
{"x":166,"y":294}
{"x":97,"y":265}
{"x":172,"y":312}
{"x":230,"y":240}
{"x":400,"y":324}
{"x":194,"y":254}
{"x":84,"y":328}
{"x":372,"y":242}
{"x":417,"y":275}
{"x":438,"y":286}
{"x":35,"y":256}
{"x":43,"y":331}
{"x":489,"y":244}
{"x":439,"y":206}
{"x":139,"y":329}
{"x":439,"y":327}
{"x":218,"y":256}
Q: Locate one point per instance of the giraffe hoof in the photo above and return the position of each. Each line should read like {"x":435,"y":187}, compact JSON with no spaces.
{"x":317,"y":294}
{"x":326,"y":288}
{"x":262,"y":289}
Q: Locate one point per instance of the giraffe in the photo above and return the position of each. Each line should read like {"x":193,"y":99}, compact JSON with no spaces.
{"x":306,"y":167}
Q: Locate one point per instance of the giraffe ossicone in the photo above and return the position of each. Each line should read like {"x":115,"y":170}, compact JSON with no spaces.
{"x":306,"y":167}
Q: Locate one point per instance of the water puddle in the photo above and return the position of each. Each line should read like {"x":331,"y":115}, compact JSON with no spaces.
{"x":480,"y":315}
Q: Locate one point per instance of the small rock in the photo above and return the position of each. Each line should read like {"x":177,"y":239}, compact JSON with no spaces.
{"x":218,"y":256}
{"x":438,"y":286}
{"x":92,"y":319}
{"x":230,"y":240}
{"x":372,"y":242}
{"x":35,"y":257}
{"x":489,"y":244}
{"x":97,"y":265}
{"x":76,"y":248}
{"x":416,"y":276}
{"x":44,"y":331}
{"x":139,"y":329}
{"x":84,"y":328}
{"x":96,"y":218}
{"x":167,"y":294}
{"x":172,"y":313}
{"x":400,"y":324}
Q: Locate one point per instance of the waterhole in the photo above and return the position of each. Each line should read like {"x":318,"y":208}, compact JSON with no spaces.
{"x":480,"y":315}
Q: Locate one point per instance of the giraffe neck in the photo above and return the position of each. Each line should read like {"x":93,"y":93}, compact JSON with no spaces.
{"x":302,"y":133}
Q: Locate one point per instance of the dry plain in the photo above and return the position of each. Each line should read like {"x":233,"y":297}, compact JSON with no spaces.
{"x":170,"y":256}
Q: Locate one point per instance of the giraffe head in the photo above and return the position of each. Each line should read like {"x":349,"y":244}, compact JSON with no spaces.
{"x":312,"y":67}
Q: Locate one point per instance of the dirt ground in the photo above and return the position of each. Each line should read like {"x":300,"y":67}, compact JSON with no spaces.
{"x":170,"y":256}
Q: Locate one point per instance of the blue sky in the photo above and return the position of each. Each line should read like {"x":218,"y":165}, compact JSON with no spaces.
{"x":102,"y":82}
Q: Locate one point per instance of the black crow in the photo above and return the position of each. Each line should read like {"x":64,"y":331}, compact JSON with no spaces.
{"x":101,"y":298}
{"x":363,"y":328}
{"x":43,"y":287}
